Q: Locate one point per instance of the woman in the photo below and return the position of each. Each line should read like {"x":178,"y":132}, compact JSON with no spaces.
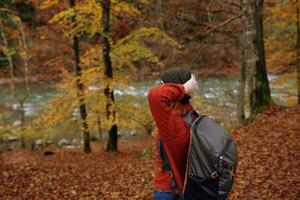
{"x":168,"y":103}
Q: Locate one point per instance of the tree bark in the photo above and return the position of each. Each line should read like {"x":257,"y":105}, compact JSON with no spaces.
{"x":112,"y":144}
{"x":298,"y":51}
{"x":11,"y":65}
{"x":25,"y":57}
{"x":80,"y":89}
{"x":159,"y":14}
{"x":242,"y":84}
{"x":99,"y":126}
{"x":259,"y":90}
{"x":22,"y":100}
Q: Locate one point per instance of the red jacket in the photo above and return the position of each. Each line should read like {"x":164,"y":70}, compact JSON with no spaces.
{"x":174,"y":131}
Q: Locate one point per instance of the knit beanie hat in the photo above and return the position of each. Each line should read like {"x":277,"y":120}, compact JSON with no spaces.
{"x":177,"y":76}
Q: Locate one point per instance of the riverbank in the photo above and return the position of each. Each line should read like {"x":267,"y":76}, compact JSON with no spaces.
{"x":217,"y":96}
{"x":268,"y":166}
{"x":31,"y":79}
{"x":139,"y":75}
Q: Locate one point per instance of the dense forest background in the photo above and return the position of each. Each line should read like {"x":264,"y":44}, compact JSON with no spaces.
{"x":210,"y":45}
{"x":76,"y":73}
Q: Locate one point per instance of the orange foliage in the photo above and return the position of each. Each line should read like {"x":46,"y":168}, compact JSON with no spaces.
{"x":280,"y":35}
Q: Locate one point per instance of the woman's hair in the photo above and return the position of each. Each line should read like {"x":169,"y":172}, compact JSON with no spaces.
{"x":177,"y":75}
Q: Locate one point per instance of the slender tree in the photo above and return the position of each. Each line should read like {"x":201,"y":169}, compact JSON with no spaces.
{"x":125,"y":52}
{"x":80,"y":88}
{"x":242,"y":75}
{"x":10,"y":62}
{"x":159,"y":14}
{"x":99,"y":126}
{"x":25,"y":57}
{"x":259,"y":90}
{"x":112,"y":144}
{"x":242,"y":84}
{"x":298,"y":50}
{"x":9,"y":52}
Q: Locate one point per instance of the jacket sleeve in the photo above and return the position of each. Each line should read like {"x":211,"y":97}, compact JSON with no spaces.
{"x":161,"y":101}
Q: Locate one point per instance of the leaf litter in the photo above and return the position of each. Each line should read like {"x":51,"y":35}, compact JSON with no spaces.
{"x":269,"y":161}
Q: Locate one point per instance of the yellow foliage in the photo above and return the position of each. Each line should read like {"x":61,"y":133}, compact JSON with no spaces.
{"x":287,"y":77}
{"x":134,"y":114}
{"x":7,"y":51}
{"x":87,"y":16}
{"x":60,"y":110}
{"x":130,"y":49}
{"x":150,"y":32}
{"x":5,"y":132}
{"x":16,"y":18}
{"x":48,"y":3}
{"x":125,"y":54}
{"x":86,"y":19}
{"x":120,"y":7}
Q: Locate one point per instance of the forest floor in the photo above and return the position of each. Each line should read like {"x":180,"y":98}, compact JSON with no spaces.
{"x":269,"y":160}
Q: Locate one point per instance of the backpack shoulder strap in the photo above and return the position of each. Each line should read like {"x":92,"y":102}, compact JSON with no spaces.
{"x":189,"y":116}
{"x":162,"y":155}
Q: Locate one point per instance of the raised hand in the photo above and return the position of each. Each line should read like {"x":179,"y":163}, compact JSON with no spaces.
{"x":190,"y":86}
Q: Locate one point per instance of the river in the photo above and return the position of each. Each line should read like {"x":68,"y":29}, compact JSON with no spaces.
{"x":218,"y":93}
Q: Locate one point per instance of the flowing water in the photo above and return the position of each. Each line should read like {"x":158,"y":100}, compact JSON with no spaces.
{"x":217,"y":93}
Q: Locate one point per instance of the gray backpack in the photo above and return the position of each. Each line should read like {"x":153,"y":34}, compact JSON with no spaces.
{"x":212,"y":161}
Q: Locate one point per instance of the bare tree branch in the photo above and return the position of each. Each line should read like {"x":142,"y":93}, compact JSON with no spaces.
{"x":233,"y":4}
{"x":199,"y":38}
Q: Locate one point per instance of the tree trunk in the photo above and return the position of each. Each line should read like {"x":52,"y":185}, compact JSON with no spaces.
{"x":25,"y":57}
{"x":112,"y":144}
{"x":298,"y":51}
{"x":20,"y":100}
{"x":259,"y":91}
{"x":159,"y":16}
{"x":22,"y":119}
{"x":80,"y":89}
{"x":11,"y":65}
{"x":241,"y":89}
{"x":242,"y":77}
{"x":20,"y":110}
{"x":99,"y":126}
